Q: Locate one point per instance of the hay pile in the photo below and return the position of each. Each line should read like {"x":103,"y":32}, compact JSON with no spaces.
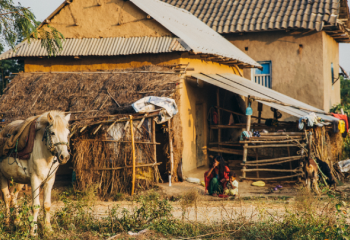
{"x":94,"y":160}
{"x":327,"y":146}
{"x":84,"y":95}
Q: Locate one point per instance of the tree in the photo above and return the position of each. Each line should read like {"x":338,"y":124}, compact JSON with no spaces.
{"x":17,"y":21}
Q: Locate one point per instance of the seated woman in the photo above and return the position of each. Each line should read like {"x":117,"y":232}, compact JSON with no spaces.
{"x":216,"y":177}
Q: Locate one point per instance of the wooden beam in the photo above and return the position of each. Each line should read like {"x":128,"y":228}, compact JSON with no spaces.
{"x":271,"y":170}
{"x":276,"y":159}
{"x":118,"y":168}
{"x":271,"y":146}
{"x":274,"y":178}
{"x":133,"y":156}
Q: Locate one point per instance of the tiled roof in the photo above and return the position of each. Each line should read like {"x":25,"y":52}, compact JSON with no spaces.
{"x":231,"y":16}
{"x":100,"y":47}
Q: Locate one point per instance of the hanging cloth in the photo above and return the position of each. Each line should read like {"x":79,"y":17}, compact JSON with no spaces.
{"x":344,"y":118}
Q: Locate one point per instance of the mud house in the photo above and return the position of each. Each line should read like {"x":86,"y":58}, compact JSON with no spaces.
{"x":296,"y":41}
{"x":117,"y":52}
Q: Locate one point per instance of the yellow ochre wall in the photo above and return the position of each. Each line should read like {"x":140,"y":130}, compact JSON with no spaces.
{"x":331,"y":54}
{"x":189,"y":95}
{"x":301,"y":63}
{"x":114,"y":18}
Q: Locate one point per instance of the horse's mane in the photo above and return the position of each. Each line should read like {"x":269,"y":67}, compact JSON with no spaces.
{"x":59,"y":120}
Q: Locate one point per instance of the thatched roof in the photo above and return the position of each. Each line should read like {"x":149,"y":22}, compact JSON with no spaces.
{"x":85,"y":95}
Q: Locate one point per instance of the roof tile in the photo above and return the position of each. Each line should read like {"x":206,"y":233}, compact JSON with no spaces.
{"x":226,"y":16}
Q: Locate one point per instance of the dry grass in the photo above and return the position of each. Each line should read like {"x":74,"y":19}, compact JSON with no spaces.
{"x":31,"y":94}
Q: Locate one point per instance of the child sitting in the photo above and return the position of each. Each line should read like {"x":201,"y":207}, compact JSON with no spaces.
{"x":232,"y":185}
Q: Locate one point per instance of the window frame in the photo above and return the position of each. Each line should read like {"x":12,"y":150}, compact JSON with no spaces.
{"x":253,"y":74}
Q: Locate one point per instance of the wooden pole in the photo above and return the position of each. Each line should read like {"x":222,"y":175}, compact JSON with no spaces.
{"x":154,"y":149}
{"x":290,"y":163}
{"x":245,"y":150}
{"x":219,"y":116}
{"x":310,"y":144}
{"x":287,"y":105}
{"x":133,"y":156}
{"x":171,"y":153}
{"x":118,"y":168}
{"x":257,"y":159}
{"x":260,"y":108}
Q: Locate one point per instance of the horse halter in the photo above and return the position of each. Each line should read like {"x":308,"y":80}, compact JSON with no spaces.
{"x":50,"y":146}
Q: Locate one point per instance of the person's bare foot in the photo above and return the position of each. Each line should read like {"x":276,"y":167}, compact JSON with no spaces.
{"x":214,"y":195}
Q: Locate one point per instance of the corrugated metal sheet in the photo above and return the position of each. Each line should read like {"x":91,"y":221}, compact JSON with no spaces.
{"x":228,"y":16}
{"x":197,"y":35}
{"x":245,"y":87}
{"x":100,"y":47}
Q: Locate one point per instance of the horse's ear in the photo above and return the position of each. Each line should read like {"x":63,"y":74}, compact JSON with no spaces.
{"x":49,"y":118}
{"x":67,"y":117}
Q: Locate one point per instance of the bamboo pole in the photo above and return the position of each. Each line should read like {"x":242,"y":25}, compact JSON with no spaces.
{"x":272,"y":170}
{"x":171,"y":153}
{"x":272,"y":146}
{"x":281,"y":141}
{"x":257,"y":159}
{"x":245,"y":150}
{"x":282,"y":134}
{"x":260,"y":108}
{"x":236,"y":113}
{"x":276,"y":159}
{"x":274,"y":178}
{"x":219,"y":115}
{"x":290,"y":163}
{"x":270,"y":163}
{"x":118,"y":168}
{"x":133,"y":156}
{"x":117,"y":141}
{"x":287,"y":105}
{"x":154,"y":149}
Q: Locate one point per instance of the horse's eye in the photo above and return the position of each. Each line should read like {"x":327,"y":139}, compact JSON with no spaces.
{"x":52,"y":133}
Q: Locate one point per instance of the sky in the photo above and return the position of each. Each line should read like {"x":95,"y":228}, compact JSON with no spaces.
{"x":43,"y":8}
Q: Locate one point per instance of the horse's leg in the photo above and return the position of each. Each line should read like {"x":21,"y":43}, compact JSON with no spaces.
{"x":14,"y":190}
{"x":35,"y":182}
{"x":47,"y":201}
{"x":6,"y":197}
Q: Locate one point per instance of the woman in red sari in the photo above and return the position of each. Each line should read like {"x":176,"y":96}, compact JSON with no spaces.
{"x":216,"y":177}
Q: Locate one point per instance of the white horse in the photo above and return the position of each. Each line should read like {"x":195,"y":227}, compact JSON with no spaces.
{"x":49,"y":151}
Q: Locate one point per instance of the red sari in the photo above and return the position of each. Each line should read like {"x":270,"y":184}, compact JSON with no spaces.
{"x":207,"y":179}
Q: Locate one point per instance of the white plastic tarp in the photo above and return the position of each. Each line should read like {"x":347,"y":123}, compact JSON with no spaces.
{"x":149,"y":104}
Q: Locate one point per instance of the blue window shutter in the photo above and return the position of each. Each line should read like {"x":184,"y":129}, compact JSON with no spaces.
{"x":263,"y":76}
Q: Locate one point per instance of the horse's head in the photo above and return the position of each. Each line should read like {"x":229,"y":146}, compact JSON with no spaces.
{"x":56,"y":135}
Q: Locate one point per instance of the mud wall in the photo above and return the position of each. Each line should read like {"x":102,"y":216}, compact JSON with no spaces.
{"x":300,"y":63}
{"x":112,"y":18}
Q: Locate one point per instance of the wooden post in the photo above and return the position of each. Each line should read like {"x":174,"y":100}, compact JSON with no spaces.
{"x":257,"y":159}
{"x":154,"y":150}
{"x":290,"y":163}
{"x":219,"y":117}
{"x":310,"y":144}
{"x":260,"y":108}
{"x":133,"y":156}
{"x":245,"y":149}
{"x":171,"y":152}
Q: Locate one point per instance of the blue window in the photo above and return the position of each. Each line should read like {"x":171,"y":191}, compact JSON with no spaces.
{"x":263,"y":76}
